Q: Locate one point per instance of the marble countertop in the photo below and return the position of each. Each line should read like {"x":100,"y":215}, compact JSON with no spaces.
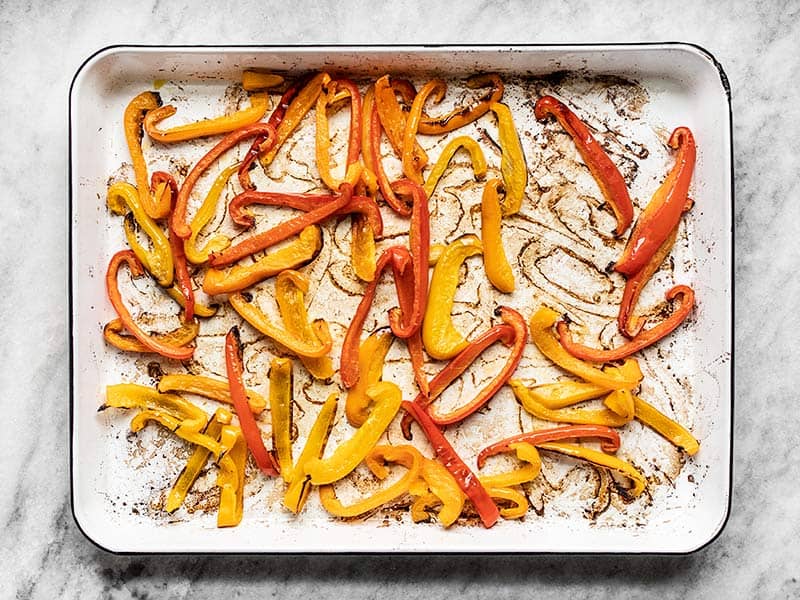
{"x":43,"y":553}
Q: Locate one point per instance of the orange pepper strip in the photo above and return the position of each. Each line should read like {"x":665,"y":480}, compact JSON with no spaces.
{"x":374,"y":150}
{"x":164,"y":349}
{"x":413,"y":163}
{"x":258,"y":80}
{"x":393,"y":119}
{"x":112,"y":332}
{"x":495,"y":262}
{"x":460,"y":116}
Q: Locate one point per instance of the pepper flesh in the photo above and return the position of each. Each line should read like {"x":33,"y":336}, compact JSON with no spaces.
{"x":257,"y":80}
{"x":371,"y":356}
{"x":373,"y":150}
{"x":413,"y":162}
{"x":526,"y":453}
{"x":280,"y":406}
{"x":323,"y":142}
{"x":583,"y":416}
{"x":512,"y":160}
{"x":662,"y":424}
{"x":565,"y":393}
{"x":183,"y":280}
{"x":230,"y":478}
{"x":476,"y":156}
{"x":204,"y":214}
{"x":112,"y":332}
{"x":393,"y":120}
{"x":460,"y":116}
{"x":495,"y":262}
{"x":605,"y":172}
{"x":444,"y":490}
{"x":214,"y":389}
{"x":200,"y":310}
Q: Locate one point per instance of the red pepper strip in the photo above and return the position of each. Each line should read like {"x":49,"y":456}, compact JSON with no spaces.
{"x":252,"y":434}
{"x":609,"y":439}
{"x":305,"y":202}
{"x":399,"y":206}
{"x":403,"y":323}
{"x":283,"y":231}
{"x":515,"y":320}
{"x":178,"y":220}
{"x":459,"y":364}
{"x":404,"y":284}
{"x":413,"y":163}
{"x":164,"y":349}
{"x":354,"y":140}
{"x":642,"y":340}
{"x":604,"y":171}
{"x":467,"y":481}
{"x":463,"y":115}
{"x":663,"y":212}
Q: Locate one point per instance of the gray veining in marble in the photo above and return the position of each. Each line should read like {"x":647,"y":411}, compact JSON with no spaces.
{"x":42,"y":553}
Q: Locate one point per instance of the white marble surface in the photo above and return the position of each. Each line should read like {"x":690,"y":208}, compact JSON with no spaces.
{"x":42,"y":553}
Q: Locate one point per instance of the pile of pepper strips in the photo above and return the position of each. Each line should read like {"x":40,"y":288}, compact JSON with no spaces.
{"x":422,"y":318}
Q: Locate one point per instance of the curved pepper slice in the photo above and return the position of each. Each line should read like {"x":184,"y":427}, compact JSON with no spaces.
{"x":642,"y":340}
{"x":230,"y":479}
{"x":526,"y":453}
{"x":393,"y":120}
{"x":442,"y":340}
{"x":584,"y":416}
{"x":408,"y":456}
{"x":495,"y":261}
{"x":373,"y":149}
{"x":604,"y":460}
{"x":362,"y":247}
{"x":413,"y":162}
{"x":258,"y":80}
{"x":200,"y":310}
{"x":460,"y":116}
{"x":662,"y":424}
{"x":280,"y":406}
{"x":603,"y":169}
{"x":565,"y":393}
{"x":512,"y":160}
{"x":444,"y":490}
{"x":112,"y":332}
{"x":259,"y":103}
{"x":476,"y":156}
{"x":323,"y":142}
{"x":214,"y":389}
{"x":519,"y":503}
{"x":348,"y":454}
{"x":662,"y":214}
{"x":290,"y":289}
{"x":252,"y":433}
{"x":371,"y":356}
{"x":299,"y":252}
{"x":204,"y":214}
{"x":165,"y":349}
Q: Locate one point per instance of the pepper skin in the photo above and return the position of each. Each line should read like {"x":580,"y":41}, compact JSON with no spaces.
{"x":512,"y":160}
{"x":464,"y":115}
{"x":495,"y":262}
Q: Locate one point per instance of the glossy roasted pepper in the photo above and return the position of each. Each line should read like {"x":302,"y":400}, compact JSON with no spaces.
{"x":183,"y":335}
{"x":585,"y":416}
{"x":203,"y":216}
{"x":280,"y":406}
{"x":519,"y":503}
{"x":565,"y":393}
{"x":495,"y":262}
{"x":463,"y":115}
{"x":602,"y":168}
{"x":353,"y":167}
{"x":373,"y":149}
{"x":413,"y":162}
{"x":527,"y":454}
{"x":214,"y":389}
{"x":438,"y":487}
{"x":662,"y":424}
{"x":362,"y":248}
{"x":258,"y":80}
{"x":393,"y":120}
{"x":512,"y":160}
{"x":230,"y":479}
{"x":475,"y":154}
{"x":371,"y":356}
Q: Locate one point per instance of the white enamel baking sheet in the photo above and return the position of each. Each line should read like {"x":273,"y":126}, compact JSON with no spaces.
{"x":632,"y":96}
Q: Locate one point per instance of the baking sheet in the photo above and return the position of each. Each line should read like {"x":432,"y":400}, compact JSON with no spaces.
{"x":632,"y":96}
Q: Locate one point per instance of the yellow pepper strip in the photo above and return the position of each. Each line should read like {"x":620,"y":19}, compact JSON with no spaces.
{"x":230,"y":479}
{"x":300,"y":486}
{"x":565,"y":393}
{"x":412,"y":162}
{"x":435,"y":254}
{"x":512,"y":161}
{"x":280,"y":406}
{"x":371,"y":356}
{"x":519,"y":501}
{"x":214,"y":389}
{"x":297,"y":253}
{"x":526,"y":453}
{"x":362,"y":248}
{"x":603,"y":460}
{"x":256,"y":80}
{"x":584,"y":416}
{"x":259,"y":103}
{"x":393,"y":119}
{"x":444,"y":490}
{"x":189,"y":430}
{"x":253,"y":315}
{"x":112,"y":332}
{"x":442,"y":340}
{"x":121,"y":198}
{"x":200,"y":310}
{"x":662,"y":424}
{"x":197,"y":461}
{"x":475,"y":153}
{"x":620,"y":402}
{"x":303,"y":102}
{"x":323,"y":140}
{"x":290,"y":290}
{"x":541,"y":325}
{"x":132,"y":120}
{"x":348,"y":454}
{"x":204,"y":214}
{"x":405,"y":455}
{"x":495,"y":261}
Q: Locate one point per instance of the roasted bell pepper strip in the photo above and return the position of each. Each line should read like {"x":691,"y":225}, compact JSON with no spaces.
{"x":200,"y":310}
{"x":642,"y":340}
{"x":348,"y":454}
{"x":214,"y":389}
{"x":541,"y":325}
{"x":123,"y":197}
{"x":444,"y":490}
{"x":566,"y":393}
{"x":371,"y":356}
{"x":441,"y":339}
{"x":406,"y":293}
{"x":323,"y":142}
{"x":662,"y":214}
{"x":401,"y":207}
{"x":475,"y":154}
{"x":609,"y":439}
{"x":300,"y":486}
{"x":620,"y":402}
{"x":585,"y":416}
{"x":255,"y":317}
{"x":495,"y":261}
{"x":362,"y":247}
{"x":285,"y":230}
{"x":178,"y":219}
{"x":662,"y":424}
{"x":132,"y":121}
{"x":413,"y":162}
{"x":230,"y":479}
{"x":252,"y":433}
{"x":408,"y":456}
{"x":460,"y":116}
{"x":512,"y":160}
{"x":604,"y":460}
{"x":203,"y":216}
{"x":165,"y":349}
{"x":290,"y":290}
{"x":257,"y":80}
{"x":393,"y":120}
{"x":605,"y":172}
{"x":280,"y":406}
{"x":197,"y":461}
{"x":367,"y":108}
{"x":466,"y":479}
{"x":519,"y":502}
{"x":259,"y":102}
{"x":299,"y":252}
{"x":526,"y":453}
{"x":112,"y":332}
